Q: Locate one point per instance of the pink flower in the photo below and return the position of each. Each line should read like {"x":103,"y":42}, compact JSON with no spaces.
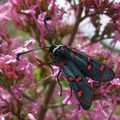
{"x":4,"y":12}
{"x":19,"y":50}
{"x":55,"y":70}
{"x":29,"y":43}
{"x":118,"y":68}
{"x":69,"y":98}
{"x":4,"y":97}
{"x":98,"y":113}
{"x":27,"y":67}
{"x":15,"y":42}
{"x":115,"y":8}
{"x":29,"y":11}
{"x":30,"y":117}
{"x":8,"y":63}
{"x":73,"y":102}
{"x":116,"y":82}
{"x":2,"y":117}
{"x":7,"y":59}
{"x":41,"y":27}
{"x":33,"y":107}
{"x":16,"y":2}
{"x":17,"y":91}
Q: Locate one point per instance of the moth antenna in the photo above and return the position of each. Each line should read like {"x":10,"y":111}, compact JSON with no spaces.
{"x":46,"y":19}
{"x":25,"y":52}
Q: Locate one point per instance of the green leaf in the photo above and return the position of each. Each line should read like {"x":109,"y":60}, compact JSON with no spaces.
{"x":37,"y":75}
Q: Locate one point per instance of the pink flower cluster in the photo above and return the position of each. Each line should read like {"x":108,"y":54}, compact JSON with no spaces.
{"x":28,"y":88}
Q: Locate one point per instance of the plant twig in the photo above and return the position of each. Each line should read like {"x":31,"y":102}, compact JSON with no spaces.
{"x":57,"y":105}
{"x":44,"y":107}
{"x":78,"y":19}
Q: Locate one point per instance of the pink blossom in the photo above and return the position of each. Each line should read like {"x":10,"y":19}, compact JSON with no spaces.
{"x":2,"y":117}
{"x":28,"y":71}
{"x":15,"y":42}
{"x":72,"y":101}
{"x":118,"y":67}
{"x":69,"y":98}
{"x":7,"y":59}
{"x":30,"y":117}
{"x":15,"y":2}
{"x":4,"y":13}
{"x":41,"y":27}
{"x":98,"y":113}
{"x":55,"y":70}
{"x":27,"y":67}
{"x":116,"y":82}
{"x":4,"y":97}
{"x":66,"y":100}
{"x":8,"y":63}
{"x":33,"y":107}
{"x":19,"y":50}
{"x":29,"y":42}
{"x":17,"y":91}
{"x":28,"y":12}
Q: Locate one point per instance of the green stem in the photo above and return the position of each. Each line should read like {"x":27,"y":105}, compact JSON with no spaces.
{"x":44,"y":107}
{"x":56,"y":105}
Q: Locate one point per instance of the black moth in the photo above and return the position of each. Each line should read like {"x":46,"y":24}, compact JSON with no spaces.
{"x":76,"y":66}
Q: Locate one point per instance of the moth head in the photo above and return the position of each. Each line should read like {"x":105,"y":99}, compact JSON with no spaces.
{"x":54,"y":48}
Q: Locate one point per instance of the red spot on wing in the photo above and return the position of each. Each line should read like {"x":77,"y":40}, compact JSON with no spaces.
{"x":89,"y":67}
{"x":78,"y":79}
{"x":61,"y":64}
{"x":102,"y":68}
{"x":80,"y":93}
{"x":74,"y":52}
{"x":70,"y":78}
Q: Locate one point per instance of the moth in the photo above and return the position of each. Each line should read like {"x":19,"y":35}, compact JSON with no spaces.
{"x":76,"y":66}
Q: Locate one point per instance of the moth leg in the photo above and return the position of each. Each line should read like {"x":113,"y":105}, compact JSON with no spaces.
{"x":49,"y":64}
{"x":51,"y":68}
{"x":59,"y":82}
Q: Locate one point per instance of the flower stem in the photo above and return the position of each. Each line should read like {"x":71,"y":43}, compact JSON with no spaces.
{"x":44,"y":106}
{"x":78,"y":20}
